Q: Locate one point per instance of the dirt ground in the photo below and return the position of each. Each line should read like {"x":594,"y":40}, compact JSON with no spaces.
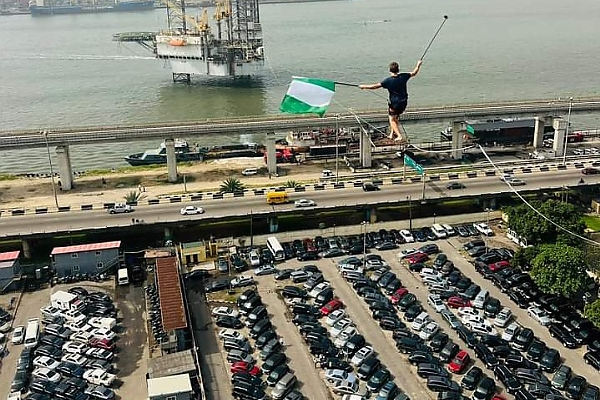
{"x":114,"y":186}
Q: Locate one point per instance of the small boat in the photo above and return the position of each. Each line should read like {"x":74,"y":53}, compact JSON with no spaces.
{"x":183,"y":153}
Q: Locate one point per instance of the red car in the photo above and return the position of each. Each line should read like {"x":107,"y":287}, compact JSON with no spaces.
{"x":242,"y":366}
{"x":457,"y":302}
{"x":331,"y":306}
{"x":460,"y":362}
{"x":398,"y":295}
{"x":309,"y":245}
{"x":497,"y":266}
{"x":102,"y":343}
{"x":417,"y":258}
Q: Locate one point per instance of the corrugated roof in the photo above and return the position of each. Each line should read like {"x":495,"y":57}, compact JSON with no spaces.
{"x":169,"y":385}
{"x":86,"y":247}
{"x":169,"y":293}
{"x":10,"y":255}
{"x":180,"y":362}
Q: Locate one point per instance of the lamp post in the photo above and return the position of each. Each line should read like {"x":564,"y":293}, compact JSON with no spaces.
{"x":487,"y":222}
{"x":364,"y":224}
{"x":564,"y":160}
{"x":251,"y":230}
{"x":434,"y":218}
{"x":410,"y":212}
{"x":45,"y":134}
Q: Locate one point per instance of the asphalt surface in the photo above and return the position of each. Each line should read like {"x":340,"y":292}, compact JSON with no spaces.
{"x":77,"y":220}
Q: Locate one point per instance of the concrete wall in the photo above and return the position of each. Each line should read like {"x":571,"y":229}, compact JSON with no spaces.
{"x":88,"y":262}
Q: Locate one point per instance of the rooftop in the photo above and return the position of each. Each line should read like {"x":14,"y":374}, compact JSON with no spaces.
{"x":10,"y":255}
{"x":192,"y":245}
{"x":169,"y":292}
{"x":171,"y":364}
{"x":168,"y":385}
{"x":80,"y":248}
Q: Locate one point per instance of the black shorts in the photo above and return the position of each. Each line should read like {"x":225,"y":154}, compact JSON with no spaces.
{"x":397,"y":108}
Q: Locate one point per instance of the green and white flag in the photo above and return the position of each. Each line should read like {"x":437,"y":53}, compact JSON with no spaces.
{"x":308,"y":95}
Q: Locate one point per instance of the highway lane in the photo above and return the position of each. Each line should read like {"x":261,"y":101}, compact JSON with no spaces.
{"x":217,"y":208}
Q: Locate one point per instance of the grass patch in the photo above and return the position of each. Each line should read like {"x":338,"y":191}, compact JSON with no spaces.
{"x":223,"y":296}
{"x":8,"y":177}
{"x":592,"y":222}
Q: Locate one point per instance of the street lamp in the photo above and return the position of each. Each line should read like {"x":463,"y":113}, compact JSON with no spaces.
{"x":567,"y":131}
{"x":434,"y":218}
{"x":410,"y":212}
{"x":487,"y":222}
{"x":364,"y":224}
{"x":45,"y":134}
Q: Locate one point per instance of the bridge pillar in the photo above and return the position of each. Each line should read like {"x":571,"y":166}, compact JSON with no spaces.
{"x":64,"y":167}
{"x":171,"y":160}
{"x":271,"y":154}
{"x":458,"y":131}
{"x":26,"y":248}
{"x":371,"y":215}
{"x":168,"y":234}
{"x":273,"y":224}
{"x":560,"y":130}
{"x":366,"y":160}
{"x":538,"y":132}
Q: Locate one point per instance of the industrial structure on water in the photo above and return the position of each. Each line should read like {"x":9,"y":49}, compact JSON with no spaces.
{"x":193,"y":49}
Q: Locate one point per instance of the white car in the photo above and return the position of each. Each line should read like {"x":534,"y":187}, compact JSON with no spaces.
{"x":335,"y":316}
{"x":81,"y":336}
{"x":407,"y":253}
{"x":45,"y":362}
{"x":250,"y":171}
{"x":226,"y":334}
{"x":242,"y":280}
{"x":420,"y":321}
{"x":304,"y":203}
{"x":225,"y":311}
{"x":361,"y":355}
{"x":471,"y":320}
{"x":429,"y":330}
{"x":464,"y":311}
{"x":503,"y":317}
{"x":99,"y":376}
{"x":345,"y":387}
{"x":516,"y":182}
{"x":483,"y":228}
{"x":407,"y":236}
{"x":436,"y":302}
{"x":344,"y":336}
{"x":18,"y":335}
{"x":191,"y":210}
{"x":46,"y":374}
{"x":104,"y":333}
{"x":336,"y":376}
{"x":318,"y":289}
{"x":339,"y":326}
{"x":483,"y":329}
{"x":539,"y":315}
{"x":75,"y":347}
{"x":511,"y":331}
{"x":77,"y":359}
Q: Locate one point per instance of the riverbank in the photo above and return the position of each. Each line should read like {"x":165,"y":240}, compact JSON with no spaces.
{"x":112,"y":186}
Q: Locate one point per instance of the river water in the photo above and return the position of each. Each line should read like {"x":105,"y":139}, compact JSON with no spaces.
{"x":64,"y":71}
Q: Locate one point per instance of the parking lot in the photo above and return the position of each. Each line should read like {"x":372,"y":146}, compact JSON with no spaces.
{"x":131,"y":351}
{"x":311,"y":380}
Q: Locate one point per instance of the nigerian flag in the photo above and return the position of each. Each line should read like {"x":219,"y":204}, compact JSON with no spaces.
{"x":308,"y":95}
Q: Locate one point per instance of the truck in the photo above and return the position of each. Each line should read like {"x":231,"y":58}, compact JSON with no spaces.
{"x":99,"y":377}
{"x":66,"y":301}
{"x":103,"y":322}
{"x":120,"y":208}
{"x":123,"y":276}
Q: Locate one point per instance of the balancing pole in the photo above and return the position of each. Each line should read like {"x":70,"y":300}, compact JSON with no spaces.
{"x":434,"y":36}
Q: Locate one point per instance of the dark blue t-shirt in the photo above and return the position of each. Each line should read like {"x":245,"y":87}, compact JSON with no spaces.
{"x":396,"y":86}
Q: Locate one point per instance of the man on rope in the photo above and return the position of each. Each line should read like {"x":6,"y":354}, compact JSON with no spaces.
{"x":398,"y":100}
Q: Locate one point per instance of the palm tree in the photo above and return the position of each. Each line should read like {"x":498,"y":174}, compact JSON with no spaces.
{"x":232,"y":185}
{"x":291,"y":184}
{"x":134,"y":197}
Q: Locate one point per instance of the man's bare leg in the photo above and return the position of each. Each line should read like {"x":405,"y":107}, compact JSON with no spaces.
{"x":395,"y":126}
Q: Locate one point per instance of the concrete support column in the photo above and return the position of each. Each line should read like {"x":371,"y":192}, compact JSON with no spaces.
{"x":273,"y":224}
{"x":171,"y":160}
{"x":538,"y":133}
{"x":168,"y":234}
{"x":65,"y":171}
{"x":372,"y":215}
{"x":366,"y":159}
{"x":26,"y":248}
{"x":458,"y":131}
{"x":271,"y":154}
{"x":560,"y":130}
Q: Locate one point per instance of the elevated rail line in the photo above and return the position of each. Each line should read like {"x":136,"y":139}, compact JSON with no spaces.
{"x":244,"y":125}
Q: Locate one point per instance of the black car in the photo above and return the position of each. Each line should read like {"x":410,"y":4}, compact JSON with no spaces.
{"x":308,"y":256}
{"x":421,"y":357}
{"x":216,"y":286}
{"x":413,"y":311}
{"x":429,"y":248}
{"x":448,"y":352}
{"x":272,"y":362}
{"x":377,"y":380}
{"x":485,"y":389}
{"x":504,"y":351}
{"x":78,"y":383}
{"x":467,"y":336}
{"x":592,"y":359}
{"x":425,"y":370}
{"x":312,"y":327}
{"x":576,"y":386}
{"x":523,"y":339}
{"x":264,"y":338}
{"x":336,"y":363}
{"x":563,"y":336}
{"x":519,"y":361}
{"x":369,"y":366}
{"x":472,"y":291}
{"x":485,"y":355}
{"x":536,"y":350}
{"x":20,"y":382}
{"x":260,"y":327}
{"x":51,"y":340}
{"x":550,"y":360}
{"x":70,"y":369}
{"x":24,"y":363}
{"x":508,"y":379}
{"x":304,"y":308}
{"x":283,"y":274}
{"x":471,"y":378}
{"x":438,"y":341}
{"x":353,"y":344}
{"x":493,"y":341}
{"x":419,"y":235}
{"x":42,"y":387}
{"x":492,"y":307}
{"x":293,"y":291}
{"x":49,"y":351}
{"x":226,"y":321}
{"x":301,"y":319}
{"x":275,"y":375}
{"x":540,"y":390}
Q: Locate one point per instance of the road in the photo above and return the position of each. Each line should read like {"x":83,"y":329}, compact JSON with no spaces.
{"x":228,"y":207}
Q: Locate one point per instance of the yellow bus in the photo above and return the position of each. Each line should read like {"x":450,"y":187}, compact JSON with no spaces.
{"x":277,"y":198}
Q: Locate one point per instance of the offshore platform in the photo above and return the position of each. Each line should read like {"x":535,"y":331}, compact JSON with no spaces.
{"x":193,"y":49}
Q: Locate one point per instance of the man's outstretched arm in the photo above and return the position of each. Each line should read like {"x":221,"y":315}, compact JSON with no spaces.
{"x":374,"y":86}
{"x":417,"y":68}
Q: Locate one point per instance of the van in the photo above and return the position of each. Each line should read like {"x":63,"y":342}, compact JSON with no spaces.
{"x":277,"y":198}
{"x":284,"y":386}
{"x":122,"y":276}
{"x":438,"y":231}
{"x":250,"y":171}
{"x":481,"y":298}
{"x":450,"y":231}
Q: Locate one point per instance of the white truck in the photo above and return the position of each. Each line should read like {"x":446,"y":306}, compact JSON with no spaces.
{"x":65,"y":301}
{"x":120,"y":208}
{"x":99,"y":377}
{"x":122,"y":276}
{"x":102,"y":322}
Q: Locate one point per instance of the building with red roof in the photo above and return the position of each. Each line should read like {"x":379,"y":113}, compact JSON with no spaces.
{"x":94,"y":258}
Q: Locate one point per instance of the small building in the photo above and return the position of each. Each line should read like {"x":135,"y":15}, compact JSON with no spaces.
{"x":192,"y":252}
{"x":174,"y":387}
{"x":10,"y":270}
{"x":95,"y":258}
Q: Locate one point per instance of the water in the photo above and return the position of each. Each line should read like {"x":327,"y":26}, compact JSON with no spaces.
{"x":65,"y":71}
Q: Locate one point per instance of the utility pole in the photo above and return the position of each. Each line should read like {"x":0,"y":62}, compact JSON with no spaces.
{"x":45,"y":134}
{"x":564,"y":160}
{"x":410,"y":212}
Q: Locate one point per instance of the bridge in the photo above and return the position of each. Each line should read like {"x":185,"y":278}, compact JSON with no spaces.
{"x":263,"y":124}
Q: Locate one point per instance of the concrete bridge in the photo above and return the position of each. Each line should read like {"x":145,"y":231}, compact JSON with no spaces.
{"x":545,"y":111}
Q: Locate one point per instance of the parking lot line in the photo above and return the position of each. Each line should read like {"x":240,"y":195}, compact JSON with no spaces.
{"x":299,"y":359}
{"x":404,"y":377}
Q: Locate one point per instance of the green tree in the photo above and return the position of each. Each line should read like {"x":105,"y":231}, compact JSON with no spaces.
{"x":134,"y":197}
{"x":291,"y":184}
{"x":232,"y":185}
{"x":559,"y":269}
{"x":592,"y":312}
{"x":524,"y":256}
{"x":536,"y":229}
